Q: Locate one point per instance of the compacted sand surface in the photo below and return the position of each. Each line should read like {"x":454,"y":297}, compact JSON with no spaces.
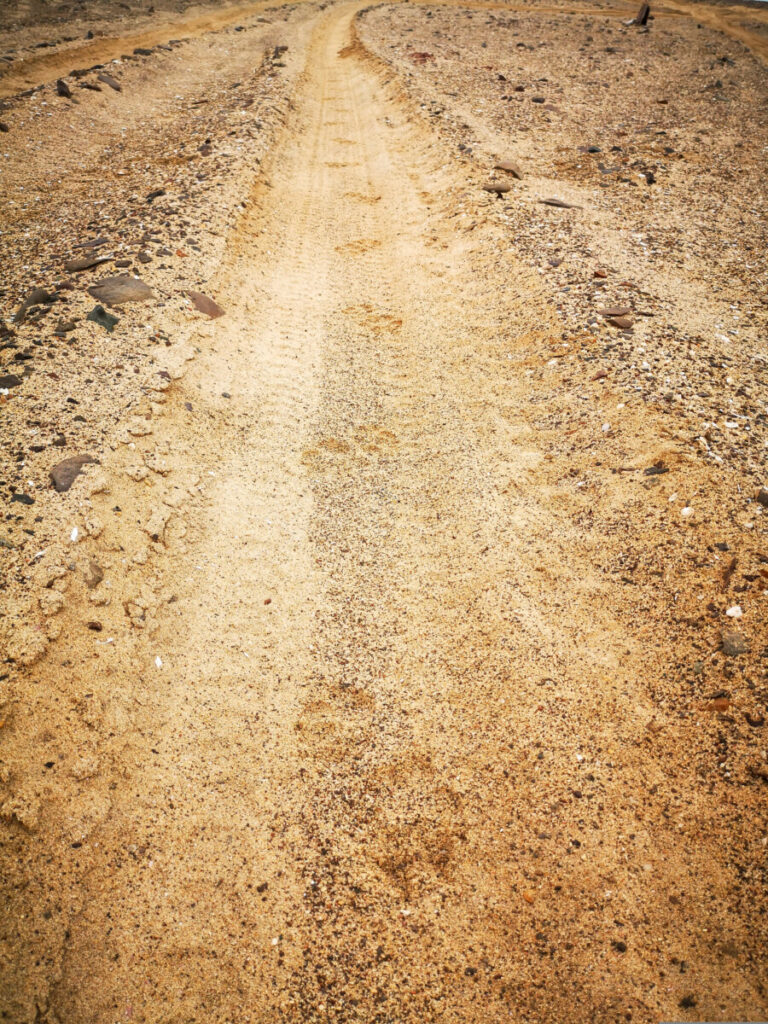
{"x":399,"y":653}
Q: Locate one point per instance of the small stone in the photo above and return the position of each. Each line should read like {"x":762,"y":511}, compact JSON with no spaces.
{"x":205,"y":305}
{"x":100,"y":316}
{"x":614,"y":311}
{"x":762,"y":497}
{"x":9,"y":380}
{"x":62,"y":89}
{"x":509,"y":168}
{"x":115,"y":290}
{"x":93,"y":574}
{"x":560,"y":204}
{"x":734,"y":643}
{"x":110,"y":81}
{"x":85,"y":263}
{"x":622,"y":322}
{"x":64,"y":473}
{"x":497,"y":187}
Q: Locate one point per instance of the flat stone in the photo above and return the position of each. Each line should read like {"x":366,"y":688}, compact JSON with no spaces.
{"x":64,"y":473}
{"x":622,"y":322}
{"x":9,"y":380}
{"x":610,"y":311}
{"x":100,"y":316}
{"x":86,"y":262}
{"x":110,"y":81}
{"x":560,"y":203}
{"x":734,"y":643}
{"x":497,"y":187}
{"x":509,"y":168}
{"x":124,"y":288}
{"x":206,"y":305}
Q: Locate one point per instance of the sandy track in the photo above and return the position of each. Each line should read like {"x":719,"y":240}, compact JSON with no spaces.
{"x":337,"y":795}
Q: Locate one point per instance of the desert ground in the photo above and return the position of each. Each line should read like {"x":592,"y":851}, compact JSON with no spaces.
{"x":384,"y":430}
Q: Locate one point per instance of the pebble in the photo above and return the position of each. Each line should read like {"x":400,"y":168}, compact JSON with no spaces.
{"x":85,"y":263}
{"x":560,"y":204}
{"x":205,"y":305}
{"x":62,"y":89}
{"x":497,"y":187}
{"x":124,"y":288}
{"x":110,"y":81}
{"x":762,"y":497}
{"x":509,"y":168}
{"x":100,"y":316}
{"x":64,"y":473}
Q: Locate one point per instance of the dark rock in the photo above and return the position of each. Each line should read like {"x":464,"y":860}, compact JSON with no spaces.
{"x":100,"y":316}
{"x":144,"y":257}
{"x":4,"y":127}
{"x":142,"y":51}
{"x":156,"y":194}
{"x":63,"y":327}
{"x":734,"y":643}
{"x":641,"y":18}
{"x":23,"y":499}
{"x":85,"y":263}
{"x":62,"y":89}
{"x":762,"y":497}
{"x":64,"y":473}
{"x":9,"y":380}
{"x":656,"y":469}
{"x":115,"y":290}
{"x":110,"y":81}
{"x":756,"y":721}
{"x":561,"y":203}
{"x":206,"y":305}
{"x":538,"y":99}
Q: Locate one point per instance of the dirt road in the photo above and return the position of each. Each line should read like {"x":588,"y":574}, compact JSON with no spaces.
{"x":383,"y":747}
